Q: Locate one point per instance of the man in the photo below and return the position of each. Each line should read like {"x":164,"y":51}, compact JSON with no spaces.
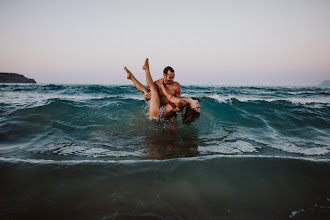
{"x":173,"y":88}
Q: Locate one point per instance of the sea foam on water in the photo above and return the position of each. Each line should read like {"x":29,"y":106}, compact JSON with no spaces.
{"x":92,"y":152}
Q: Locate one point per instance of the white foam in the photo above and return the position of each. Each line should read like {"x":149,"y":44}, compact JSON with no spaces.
{"x":308,"y":151}
{"x":293,"y":213}
{"x":69,"y":149}
{"x":68,"y":162}
{"x":223,"y":99}
{"x":220,"y":99}
{"x":139,"y":97}
{"x":289,"y":147}
{"x":9,"y":147}
{"x":200,"y":158}
{"x":237,"y":147}
{"x":292,"y":100}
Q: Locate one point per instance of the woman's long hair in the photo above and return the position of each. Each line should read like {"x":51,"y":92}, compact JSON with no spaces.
{"x":190,"y":115}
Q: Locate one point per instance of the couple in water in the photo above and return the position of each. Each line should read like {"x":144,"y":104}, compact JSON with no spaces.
{"x":164,"y":98}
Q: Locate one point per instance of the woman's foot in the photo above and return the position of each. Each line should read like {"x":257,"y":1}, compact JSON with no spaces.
{"x":129,"y":74}
{"x":146,"y":65}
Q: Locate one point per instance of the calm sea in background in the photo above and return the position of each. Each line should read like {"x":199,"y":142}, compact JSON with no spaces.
{"x":91,"y":152}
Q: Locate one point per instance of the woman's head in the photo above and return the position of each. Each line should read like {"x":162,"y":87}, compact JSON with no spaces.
{"x":195,"y":105}
{"x":192,"y":112}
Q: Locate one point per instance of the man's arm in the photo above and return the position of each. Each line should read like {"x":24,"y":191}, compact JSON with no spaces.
{"x":177,"y":89}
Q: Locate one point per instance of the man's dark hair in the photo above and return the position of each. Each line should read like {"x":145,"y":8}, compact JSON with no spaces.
{"x":168,"y":68}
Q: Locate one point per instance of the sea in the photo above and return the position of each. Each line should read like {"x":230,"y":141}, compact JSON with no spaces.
{"x":92,"y":152}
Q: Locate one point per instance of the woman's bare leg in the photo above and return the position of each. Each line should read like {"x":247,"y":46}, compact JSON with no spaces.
{"x":136,"y":82}
{"x":154,"y":102}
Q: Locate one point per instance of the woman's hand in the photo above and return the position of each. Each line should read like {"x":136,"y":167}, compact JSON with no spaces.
{"x":147,"y":96}
{"x":176,"y":109}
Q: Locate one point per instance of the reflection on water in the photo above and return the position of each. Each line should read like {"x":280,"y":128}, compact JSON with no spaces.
{"x":172,"y":141}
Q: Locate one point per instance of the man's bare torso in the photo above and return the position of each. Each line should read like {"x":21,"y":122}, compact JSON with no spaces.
{"x":173,"y":89}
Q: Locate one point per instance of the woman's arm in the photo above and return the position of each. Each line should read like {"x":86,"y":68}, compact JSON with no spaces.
{"x":177,"y":89}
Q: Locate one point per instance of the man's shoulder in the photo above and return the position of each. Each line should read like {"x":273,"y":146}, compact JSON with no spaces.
{"x":157,"y":81}
{"x":177,"y":84}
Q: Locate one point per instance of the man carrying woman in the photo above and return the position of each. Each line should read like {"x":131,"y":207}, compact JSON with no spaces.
{"x":160,"y":108}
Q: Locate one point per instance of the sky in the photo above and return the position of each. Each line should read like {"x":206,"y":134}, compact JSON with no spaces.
{"x":220,"y":42}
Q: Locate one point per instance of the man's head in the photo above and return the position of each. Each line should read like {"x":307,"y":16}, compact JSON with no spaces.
{"x":169,"y":75}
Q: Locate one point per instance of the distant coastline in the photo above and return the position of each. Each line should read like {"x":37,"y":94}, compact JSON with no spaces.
{"x":14,"y":78}
{"x":325,"y":83}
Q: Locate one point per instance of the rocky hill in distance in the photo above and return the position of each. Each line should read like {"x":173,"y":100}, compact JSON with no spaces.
{"x":325,"y":83}
{"x":14,"y":78}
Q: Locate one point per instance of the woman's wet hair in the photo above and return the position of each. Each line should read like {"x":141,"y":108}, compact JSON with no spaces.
{"x":168,"y":68}
{"x":190,"y":115}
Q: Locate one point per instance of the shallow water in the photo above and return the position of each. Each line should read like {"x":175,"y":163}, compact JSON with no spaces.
{"x":91,"y":152}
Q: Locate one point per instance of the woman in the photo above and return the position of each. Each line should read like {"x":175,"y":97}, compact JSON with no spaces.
{"x":176,"y":104}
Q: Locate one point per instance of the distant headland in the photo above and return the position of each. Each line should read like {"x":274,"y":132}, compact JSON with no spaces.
{"x":14,"y":78}
{"x":325,"y":83}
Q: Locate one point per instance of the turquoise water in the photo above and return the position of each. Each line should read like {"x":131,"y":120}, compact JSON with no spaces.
{"x":92,"y":152}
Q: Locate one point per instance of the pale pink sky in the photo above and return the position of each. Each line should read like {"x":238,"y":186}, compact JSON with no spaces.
{"x":206,"y":42}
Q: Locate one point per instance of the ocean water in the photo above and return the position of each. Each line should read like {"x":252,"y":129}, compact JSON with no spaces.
{"x":92,"y":152}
